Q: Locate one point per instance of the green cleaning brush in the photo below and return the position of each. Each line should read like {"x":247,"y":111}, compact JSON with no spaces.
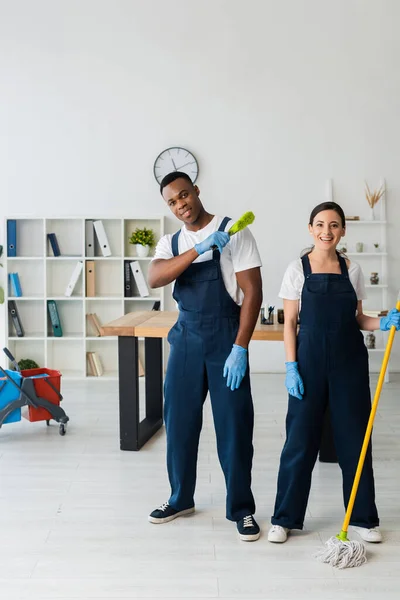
{"x":242,"y":223}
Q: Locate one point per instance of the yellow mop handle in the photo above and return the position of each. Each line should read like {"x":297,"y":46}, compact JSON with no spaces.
{"x":369,"y":426}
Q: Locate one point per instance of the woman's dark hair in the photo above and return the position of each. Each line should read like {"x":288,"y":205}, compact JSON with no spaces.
{"x":328,"y":206}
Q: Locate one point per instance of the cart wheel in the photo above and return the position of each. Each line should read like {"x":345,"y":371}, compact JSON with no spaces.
{"x":48,"y":423}
{"x":62,"y":429}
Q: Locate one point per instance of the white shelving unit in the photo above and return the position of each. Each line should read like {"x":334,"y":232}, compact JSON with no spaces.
{"x":370,"y":232}
{"x":45,"y":277}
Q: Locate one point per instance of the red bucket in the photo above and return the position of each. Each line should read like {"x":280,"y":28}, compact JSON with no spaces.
{"x":43,"y":390}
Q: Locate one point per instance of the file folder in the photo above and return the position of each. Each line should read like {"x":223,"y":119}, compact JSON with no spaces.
{"x":127,"y":280}
{"x":15,"y":318}
{"x":15,"y":285}
{"x":54,"y":243}
{"x":90,"y":279}
{"x":89,"y":238}
{"x":11,"y":237}
{"x":74,"y":279}
{"x":156,"y":305}
{"x":102,"y":238}
{"x":54,"y":318}
{"x":139,"y":278}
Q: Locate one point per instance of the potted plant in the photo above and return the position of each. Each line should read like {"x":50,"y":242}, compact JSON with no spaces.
{"x":373,"y":198}
{"x":143,"y":239}
{"x":376,"y":246}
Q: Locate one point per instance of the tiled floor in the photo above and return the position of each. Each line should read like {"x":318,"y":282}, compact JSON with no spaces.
{"x":73,"y":513}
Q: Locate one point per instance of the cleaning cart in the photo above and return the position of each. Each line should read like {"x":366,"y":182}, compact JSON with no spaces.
{"x":35,"y":391}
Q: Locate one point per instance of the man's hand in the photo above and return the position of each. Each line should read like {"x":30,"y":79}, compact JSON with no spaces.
{"x":218,"y":239}
{"x":235,"y":367}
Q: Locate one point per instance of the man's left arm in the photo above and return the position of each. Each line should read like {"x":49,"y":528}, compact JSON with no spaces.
{"x":236,"y":363}
{"x":250,"y":283}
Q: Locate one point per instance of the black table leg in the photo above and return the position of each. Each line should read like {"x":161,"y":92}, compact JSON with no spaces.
{"x":133,"y":433}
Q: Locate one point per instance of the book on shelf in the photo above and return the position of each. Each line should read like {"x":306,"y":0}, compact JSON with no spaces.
{"x":89,"y":237}
{"x":74,"y":278}
{"x":15,"y":285}
{"x":156,"y":305}
{"x":94,"y":323}
{"x":139,"y":278}
{"x":352,"y":218}
{"x":95,"y":364}
{"x":15,"y":318}
{"x":11,"y":237}
{"x":102,"y":238}
{"x":54,"y":318}
{"x":52,"y":238}
{"x":90,"y":279}
{"x":375,"y":313}
{"x":92,"y":366}
{"x":127,"y":279}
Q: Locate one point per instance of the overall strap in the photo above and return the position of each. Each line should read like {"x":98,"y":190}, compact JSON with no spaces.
{"x":306,"y":265}
{"x":216,"y":253}
{"x":224,"y":222}
{"x":174,"y":243}
{"x":343,"y":265}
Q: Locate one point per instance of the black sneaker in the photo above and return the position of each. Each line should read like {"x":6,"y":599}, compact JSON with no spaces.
{"x":165,"y":513}
{"x":248,"y":529}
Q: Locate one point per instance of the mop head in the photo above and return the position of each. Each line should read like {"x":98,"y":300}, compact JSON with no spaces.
{"x":243,"y":222}
{"x":342,"y":554}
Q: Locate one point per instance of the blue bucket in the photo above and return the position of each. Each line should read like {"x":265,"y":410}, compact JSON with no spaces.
{"x":8,"y":393}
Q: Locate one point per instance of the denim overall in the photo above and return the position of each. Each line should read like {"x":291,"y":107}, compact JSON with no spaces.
{"x":200,"y":343}
{"x":333,"y":363}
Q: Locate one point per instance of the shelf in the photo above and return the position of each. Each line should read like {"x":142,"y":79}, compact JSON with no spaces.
{"x":35,"y":298}
{"x":366,"y":222}
{"x":382,"y":286}
{"x":45,"y":277}
{"x":366,"y":253}
{"x":24,"y":257}
{"x":376,"y":349}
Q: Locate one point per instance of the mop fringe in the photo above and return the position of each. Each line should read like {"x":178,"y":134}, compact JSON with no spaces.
{"x":342,"y":554}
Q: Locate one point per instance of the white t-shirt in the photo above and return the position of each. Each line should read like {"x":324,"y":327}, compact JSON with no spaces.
{"x":240,"y":253}
{"x":293,"y":281}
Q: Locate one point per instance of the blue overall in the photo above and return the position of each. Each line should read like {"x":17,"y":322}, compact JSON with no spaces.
{"x":200,"y":343}
{"x":333,"y":363}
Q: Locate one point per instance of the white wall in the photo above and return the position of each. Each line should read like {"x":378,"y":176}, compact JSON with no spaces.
{"x":272,"y":97}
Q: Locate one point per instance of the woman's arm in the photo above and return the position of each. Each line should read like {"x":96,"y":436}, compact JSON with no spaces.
{"x":291,"y":312}
{"x":366,"y":323}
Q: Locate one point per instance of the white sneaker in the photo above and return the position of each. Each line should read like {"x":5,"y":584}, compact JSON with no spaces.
{"x":369,"y":535}
{"x":278,"y":534}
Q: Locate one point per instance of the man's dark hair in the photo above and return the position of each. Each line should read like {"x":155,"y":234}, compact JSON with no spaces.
{"x":172,"y":177}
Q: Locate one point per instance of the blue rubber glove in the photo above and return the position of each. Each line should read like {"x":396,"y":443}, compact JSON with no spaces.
{"x":235,"y":367}
{"x":393,"y":318}
{"x":218,"y":239}
{"x":293,"y":381}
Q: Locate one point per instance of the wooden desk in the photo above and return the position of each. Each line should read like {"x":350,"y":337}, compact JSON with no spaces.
{"x":153,"y":326}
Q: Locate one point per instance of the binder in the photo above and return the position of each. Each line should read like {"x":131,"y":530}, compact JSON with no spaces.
{"x":89,"y":356}
{"x":89,"y":238}
{"x":97,"y":323}
{"x":54,"y":318}
{"x":102,"y":238}
{"x":74,"y":278}
{"x":11,"y":237}
{"x":54,"y":243}
{"x":139,"y":278}
{"x":156,"y":305}
{"x":127,"y":280}
{"x":97,"y":364}
{"x":94,"y":323}
{"x":90,"y":279}
{"x":15,"y":285}
{"x":15,"y":318}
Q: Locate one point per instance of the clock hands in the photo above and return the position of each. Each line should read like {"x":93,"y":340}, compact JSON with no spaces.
{"x":192,"y":162}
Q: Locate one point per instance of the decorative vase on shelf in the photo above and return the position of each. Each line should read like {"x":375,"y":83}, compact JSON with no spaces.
{"x":374,"y":279}
{"x":370,"y":341}
{"x":371,"y":215}
{"x":142,"y":251}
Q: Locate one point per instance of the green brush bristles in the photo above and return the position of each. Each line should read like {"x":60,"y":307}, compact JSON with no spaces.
{"x":243,"y":222}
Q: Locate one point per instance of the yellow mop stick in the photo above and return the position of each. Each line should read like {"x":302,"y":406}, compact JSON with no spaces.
{"x":343,"y":534}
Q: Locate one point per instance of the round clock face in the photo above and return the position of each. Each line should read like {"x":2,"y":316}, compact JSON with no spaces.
{"x":175,"y":159}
